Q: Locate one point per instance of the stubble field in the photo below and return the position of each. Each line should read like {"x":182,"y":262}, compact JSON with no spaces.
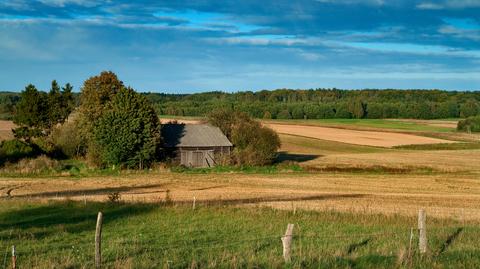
{"x":335,"y":175}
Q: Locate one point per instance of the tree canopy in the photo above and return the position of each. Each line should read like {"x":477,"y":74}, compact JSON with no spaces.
{"x":38,"y":112}
{"x":325,"y":103}
{"x":128,"y":132}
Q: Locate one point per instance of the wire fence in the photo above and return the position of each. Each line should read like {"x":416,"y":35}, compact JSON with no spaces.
{"x":351,"y":241}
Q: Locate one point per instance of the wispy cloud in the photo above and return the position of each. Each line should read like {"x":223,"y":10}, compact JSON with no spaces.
{"x":175,"y":44}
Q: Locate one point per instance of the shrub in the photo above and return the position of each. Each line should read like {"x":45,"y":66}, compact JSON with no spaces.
{"x":68,"y":140}
{"x":253,"y":143}
{"x":41,"y":164}
{"x":471,"y":124}
{"x":14,"y":150}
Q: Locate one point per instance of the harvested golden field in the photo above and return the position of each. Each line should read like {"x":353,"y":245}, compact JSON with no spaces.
{"x":369,"y":138}
{"x":6,"y":129}
{"x":321,"y":153}
{"x":443,"y":195}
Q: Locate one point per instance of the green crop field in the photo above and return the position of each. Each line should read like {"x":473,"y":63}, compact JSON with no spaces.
{"x":164,"y":235}
{"x":371,"y":124}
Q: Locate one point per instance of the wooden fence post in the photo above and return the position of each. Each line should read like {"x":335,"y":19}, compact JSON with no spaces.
{"x":98,"y":241}
{"x":14,"y":258}
{"x":422,"y":230}
{"x":287,"y":243}
{"x":194,"y":202}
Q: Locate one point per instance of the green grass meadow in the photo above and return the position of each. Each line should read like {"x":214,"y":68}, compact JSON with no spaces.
{"x":163,"y":235}
{"x":369,"y":123}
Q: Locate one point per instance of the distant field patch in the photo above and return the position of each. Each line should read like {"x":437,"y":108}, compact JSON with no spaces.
{"x":368,"y":138}
{"x":301,"y":144}
{"x":6,"y":130}
{"x":378,"y":124}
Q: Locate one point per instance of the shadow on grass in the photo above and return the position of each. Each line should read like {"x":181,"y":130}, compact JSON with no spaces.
{"x":100,"y":191}
{"x":449,"y":241}
{"x":284,"y":156}
{"x":355,"y":246}
{"x":240,"y":201}
{"x":71,"y":217}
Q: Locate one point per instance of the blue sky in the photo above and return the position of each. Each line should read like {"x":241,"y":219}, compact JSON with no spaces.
{"x":199,"y":45}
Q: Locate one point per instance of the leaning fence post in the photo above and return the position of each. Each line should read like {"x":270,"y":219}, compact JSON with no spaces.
{"x":98,"y":241}
{"x":287,"y":243}
{"x":422,"y":230}
{"x":14,"y":258}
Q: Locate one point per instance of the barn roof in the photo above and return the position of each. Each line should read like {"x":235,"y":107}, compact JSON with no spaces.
{"x":193,"y":135}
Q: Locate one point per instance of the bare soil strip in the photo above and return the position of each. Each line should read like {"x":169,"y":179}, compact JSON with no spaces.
{"x":368,"y":138}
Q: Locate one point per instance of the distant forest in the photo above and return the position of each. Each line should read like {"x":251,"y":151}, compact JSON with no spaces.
{"x":310,"y":104}
{"x":325,"y":103}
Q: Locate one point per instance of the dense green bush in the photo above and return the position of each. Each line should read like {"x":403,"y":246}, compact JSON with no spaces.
{"x":253,"y":143}
{"x":128,"y":132}
{"x":471,"y":124}
{"x":14,"y":150}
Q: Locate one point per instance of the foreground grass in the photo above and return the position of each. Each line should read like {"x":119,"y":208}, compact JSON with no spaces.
{"x":60,"y":235}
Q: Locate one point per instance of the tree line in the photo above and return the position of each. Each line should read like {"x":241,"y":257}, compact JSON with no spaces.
{"x":325,"y":103}
{"x":307,"y":104}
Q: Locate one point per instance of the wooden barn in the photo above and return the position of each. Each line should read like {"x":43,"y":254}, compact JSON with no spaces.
{"x":195,"y":145}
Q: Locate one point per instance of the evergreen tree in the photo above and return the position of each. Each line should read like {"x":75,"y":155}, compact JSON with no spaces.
{"x":32,"y":114}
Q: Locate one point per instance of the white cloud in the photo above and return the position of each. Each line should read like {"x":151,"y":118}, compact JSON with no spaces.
{"x":460,"y":33}
{"x":365,"y":2}
{"x":430,"y":6}
{"x":449,"y":4}
{"x":63,"y":3}
{"x":261,"y":40}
